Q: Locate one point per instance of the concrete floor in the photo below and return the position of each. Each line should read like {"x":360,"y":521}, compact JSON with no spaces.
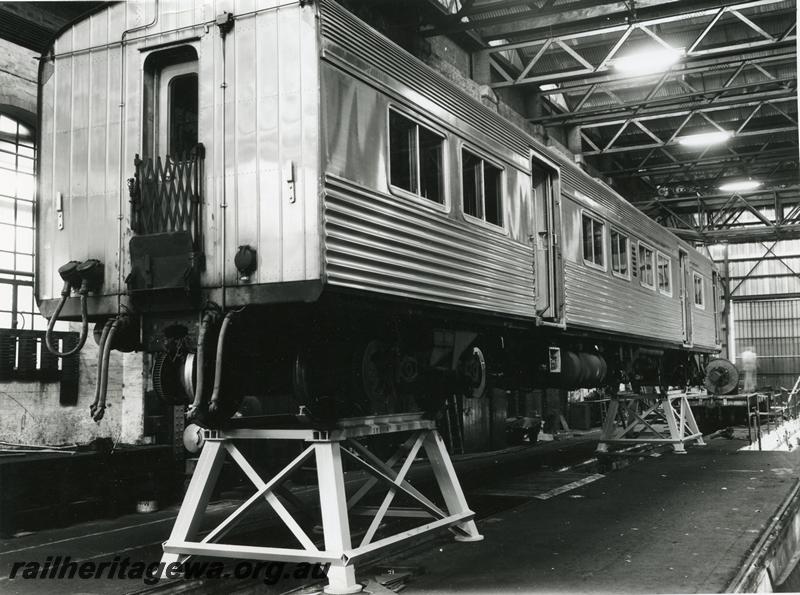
{"x":676,"y":524}
{"x":672,"y":524}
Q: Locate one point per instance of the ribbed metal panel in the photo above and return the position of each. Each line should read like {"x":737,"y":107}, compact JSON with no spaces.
{"x":755,"y":271}
{"x":581,"y":186}
{"x":376,"y":244}
{"x":596,"y":300}
{"x":771,"y":328}
{"x":342,"y":31}
{"x":272,"y":112}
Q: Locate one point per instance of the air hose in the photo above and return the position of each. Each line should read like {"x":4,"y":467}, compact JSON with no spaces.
{"x":100,"y":347}
{"x":85,"y":276}
{"x":98,"y":410}
{"x":84,"y":289}
{"x":208,"y":319}
{"x":213,"y":405}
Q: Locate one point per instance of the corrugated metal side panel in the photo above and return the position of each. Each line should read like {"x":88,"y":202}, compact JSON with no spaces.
{"x":373,"y":49}
{"x":703,"y":330}
{"x":772,"y":329}
{"x":703,"y":320}
{"x":365,"y":48}
{"x":597,"y":301}
{"x":375,"y":243}
{"x":591,"y":193}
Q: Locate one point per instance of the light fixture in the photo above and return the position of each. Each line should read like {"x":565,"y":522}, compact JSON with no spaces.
{"x":740,"y":185}
{"x":649,"y":61}
{"x":548,"y":87}
{"x":705,"y":138}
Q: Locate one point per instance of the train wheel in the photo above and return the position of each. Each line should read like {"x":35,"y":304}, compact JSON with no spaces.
{"x":473,"y":365}
{"x":321,"y":381}
{"x":374,"y":377}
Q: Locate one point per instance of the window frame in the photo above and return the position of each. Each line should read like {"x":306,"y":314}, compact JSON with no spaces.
{"x":669,"y":293}
{"x":166,"y":75}
{"x":600,"y":267}
{"x":646,"y":246}
{"x":398,"y":191}
{"x":628,"y":242}
{"x":695,"y":276}
{"x":495,"y":163}
{"x":20,"y":229}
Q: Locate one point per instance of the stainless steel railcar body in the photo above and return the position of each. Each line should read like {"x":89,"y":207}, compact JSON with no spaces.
{"x":294,"y":106}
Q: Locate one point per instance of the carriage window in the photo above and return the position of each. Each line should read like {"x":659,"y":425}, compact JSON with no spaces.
{"x":415,"y":158}
{"x":182,"y":118}
{"x":482,"y":188}
{"x":593,"y":241}
{"x":619,"y":254}
{"x":664,"y":274}
{"x":699,"y":292}
{"x":646,"y":266}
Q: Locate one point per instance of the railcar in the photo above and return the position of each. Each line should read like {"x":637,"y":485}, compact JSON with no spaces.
{"x":277,"y":202}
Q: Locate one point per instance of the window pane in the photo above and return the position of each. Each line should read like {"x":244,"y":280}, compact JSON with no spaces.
{"x":6,"y":293}
{"x":699,"y":298}
{"x":24,"y":213}
{"x":182,"y":114}
{"x":587,"y":239}
{"x":664,"y":283}
{"x":401,"y":152}
{"x":492,"y":194}
{"x":7,"y":237}
{"x":24,"y":240}
{"x":6,"y":210}
{"x":471,"y":179}
{"x":619,"y":253}
{"x":26,"y":186}
{"x":430,"y":164}
{"x":8,"y":127}
{"x":25,"y":298}
{"x":599,"y":251}
{"x":646,"y":266}
{"x":24,"y":263}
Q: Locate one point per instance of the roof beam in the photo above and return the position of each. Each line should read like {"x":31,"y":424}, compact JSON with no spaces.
{"x":605,"y":22}
{"x":699,"y":101}
{"x":584,"y":69}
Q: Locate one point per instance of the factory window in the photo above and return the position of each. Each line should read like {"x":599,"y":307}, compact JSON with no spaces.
{"x":646,"y":266}
{"x":699,"y":292}
{"x":593,"y":232}
{"x":482,"y":188}
{"x":415,"y":158}
{"x":664,"y":270}
{"x":619,"y":254}
{"x":18,"y":308}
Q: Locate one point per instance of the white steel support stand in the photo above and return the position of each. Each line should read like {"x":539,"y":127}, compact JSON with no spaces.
{"x":327,"y":447}
{"x":654,"y":419}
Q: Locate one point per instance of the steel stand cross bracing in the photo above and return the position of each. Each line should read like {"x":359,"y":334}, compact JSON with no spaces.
{"x":329,"y":448}
{"x":642,"y":414}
